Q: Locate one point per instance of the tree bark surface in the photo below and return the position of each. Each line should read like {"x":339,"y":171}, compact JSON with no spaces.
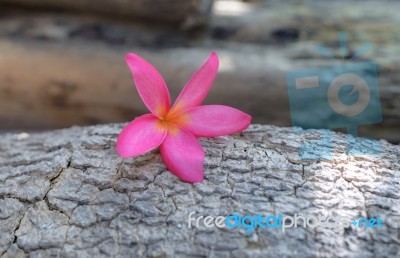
{"x":66,"y":193}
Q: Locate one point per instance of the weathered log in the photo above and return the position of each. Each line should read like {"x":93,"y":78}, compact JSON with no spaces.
{"x":67,"y":193}
{"x":167,"y":11}
{"x":59,"y":70}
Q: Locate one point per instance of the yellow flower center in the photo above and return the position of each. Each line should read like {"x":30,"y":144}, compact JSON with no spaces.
{"x":173,"y":120}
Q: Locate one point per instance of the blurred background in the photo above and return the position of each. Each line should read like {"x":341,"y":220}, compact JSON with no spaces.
{"x":62,"y":62}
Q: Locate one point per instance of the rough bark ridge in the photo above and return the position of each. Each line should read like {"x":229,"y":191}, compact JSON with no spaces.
{"x":67,"y":193}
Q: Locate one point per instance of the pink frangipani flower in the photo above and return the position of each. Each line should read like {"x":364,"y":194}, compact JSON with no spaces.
{"x":176,"y":128}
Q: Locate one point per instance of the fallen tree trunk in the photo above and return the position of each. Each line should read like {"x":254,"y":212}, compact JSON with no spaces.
{"x":67,"y":193}
{"x":58,"y":70}
{"x":167,"y":11}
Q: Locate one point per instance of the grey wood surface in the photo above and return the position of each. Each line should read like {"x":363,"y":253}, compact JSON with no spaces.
{"x":66,"y":193}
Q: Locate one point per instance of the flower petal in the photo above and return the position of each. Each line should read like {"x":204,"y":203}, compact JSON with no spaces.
{"x":183,"y":155}
{"x":216,"y":120}
{"x":196,"y":90}
{"x":140,"y":136}
{"x":150,"y":85}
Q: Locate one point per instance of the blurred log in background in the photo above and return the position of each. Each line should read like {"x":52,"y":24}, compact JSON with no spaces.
{"x":62,"y":62}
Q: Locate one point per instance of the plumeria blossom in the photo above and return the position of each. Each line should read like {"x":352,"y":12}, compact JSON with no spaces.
{"x":175,"y":129}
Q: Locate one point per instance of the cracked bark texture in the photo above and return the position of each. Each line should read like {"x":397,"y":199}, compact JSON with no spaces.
{"x":66,"y":193}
